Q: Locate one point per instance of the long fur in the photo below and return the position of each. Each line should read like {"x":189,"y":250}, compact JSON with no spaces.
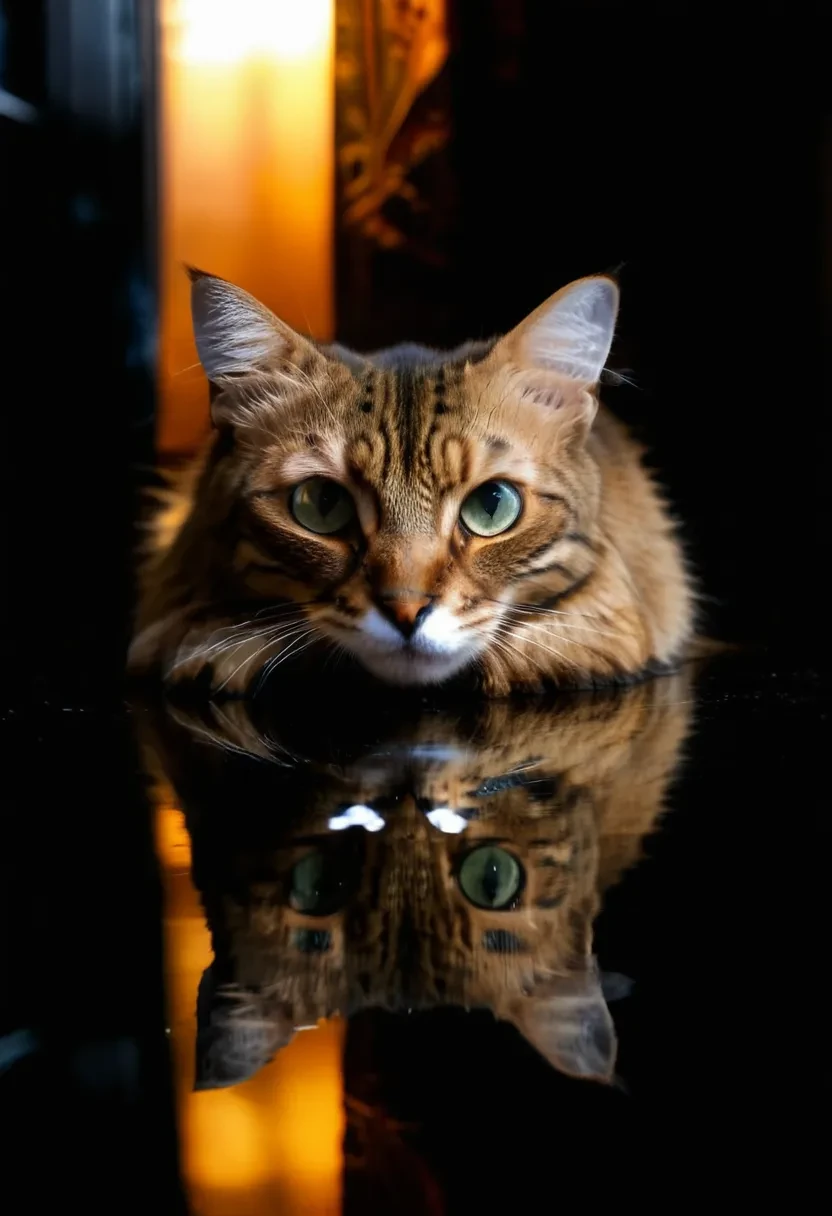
{"x":588,"y":586}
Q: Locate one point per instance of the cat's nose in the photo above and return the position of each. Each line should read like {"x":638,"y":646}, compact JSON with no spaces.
{"x":406,"y":613}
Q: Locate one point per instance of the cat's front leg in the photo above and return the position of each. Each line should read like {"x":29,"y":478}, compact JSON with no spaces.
{"x":499,"y":678}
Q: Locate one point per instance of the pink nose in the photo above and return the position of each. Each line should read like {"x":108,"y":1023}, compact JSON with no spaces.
{"x":406,"y":614}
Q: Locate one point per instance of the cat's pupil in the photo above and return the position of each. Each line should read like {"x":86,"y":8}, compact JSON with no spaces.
{"x":491,"y":881}
{"x":329,"y":496}
{"x":491,"y":508}
{"x":490,"y":877}
{"x":491,"y":495}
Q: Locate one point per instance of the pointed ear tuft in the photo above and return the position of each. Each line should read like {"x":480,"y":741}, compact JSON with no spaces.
{"x":570,"y":1026}
{"x":572,"y":332}
{"x":235,"y":334}
{"x":236,"y":1035}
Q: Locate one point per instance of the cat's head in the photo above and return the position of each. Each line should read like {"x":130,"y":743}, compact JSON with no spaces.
{"x":409,"y":886}
{"x":452,"y":864}
{"x":403,"y":501}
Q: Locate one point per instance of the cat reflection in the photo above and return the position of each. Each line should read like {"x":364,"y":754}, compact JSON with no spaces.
{"x":450,"y":863}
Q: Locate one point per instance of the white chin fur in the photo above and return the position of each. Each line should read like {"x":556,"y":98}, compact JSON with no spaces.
{"x":407,"y":668}
{"x":436,"y":651}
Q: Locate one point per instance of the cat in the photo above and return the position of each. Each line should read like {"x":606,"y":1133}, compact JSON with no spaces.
{"x":431,"y":515}
{"x":454,"y":861}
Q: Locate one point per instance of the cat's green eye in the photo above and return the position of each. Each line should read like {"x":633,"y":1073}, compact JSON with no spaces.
{"x":322,"y":505}
{"x":490,"y":877}
{"x":319,"y":884}
{"x":492,"y":508}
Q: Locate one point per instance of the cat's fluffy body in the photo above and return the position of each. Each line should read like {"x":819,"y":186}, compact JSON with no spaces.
{"x":587,"y":586}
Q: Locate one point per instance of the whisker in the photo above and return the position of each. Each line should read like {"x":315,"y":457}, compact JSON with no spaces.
{"x":536,"y":609}
{"x":297,"y":648}
{"x":508,"y":648}
{"x":334,"y":652}
{"x":271,"y":633}
{"x":604,"y":633}
{"x":293,"y":650}
{"x":228,"y":643}
{"x":522,"y":605}
{"x":266,"y":614}
{"x":570,"y":641}
{"x":181,"y":371}
{"x":248,"y":659}
{"x":558,"y":653}
{"x":206,"y":733}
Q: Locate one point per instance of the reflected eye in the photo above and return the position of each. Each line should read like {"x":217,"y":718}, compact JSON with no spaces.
{"x":490,"y":877}
{"x":491,"y":508}
{"x":322,"y":505}
{"x":319,"y":884}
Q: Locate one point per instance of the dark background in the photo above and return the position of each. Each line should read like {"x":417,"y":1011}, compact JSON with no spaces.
{"x":692,"y":149}
{"x":87,"y":1109}
{"x":687,"y":147}
{"x":690,"y":152}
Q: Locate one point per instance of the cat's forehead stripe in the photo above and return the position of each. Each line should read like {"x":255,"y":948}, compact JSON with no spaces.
{"x":367,"y":392}
{"x":414,"y":398}
{"x":409,"y":394}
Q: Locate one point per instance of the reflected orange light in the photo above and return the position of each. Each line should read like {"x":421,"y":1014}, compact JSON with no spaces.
{"x":173,"y":844}
{"x":223,"y":1142}
{"x":247,"y":174}
{"x":274,"y":1142}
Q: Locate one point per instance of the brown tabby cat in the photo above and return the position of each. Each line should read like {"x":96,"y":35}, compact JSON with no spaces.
{"x":451,"y":864}
{"x":425,"y":512}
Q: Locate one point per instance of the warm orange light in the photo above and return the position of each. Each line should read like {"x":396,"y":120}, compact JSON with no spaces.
{"x":247,"y":174}
{"x":218,"y":31}
{"x":272,"y":1143}
{"x":307,"y":1113}
{"x":173,"y":844}
{"x":224,"y":1146}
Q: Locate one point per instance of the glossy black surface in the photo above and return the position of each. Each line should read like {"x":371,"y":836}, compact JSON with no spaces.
{"x":721,"y":930}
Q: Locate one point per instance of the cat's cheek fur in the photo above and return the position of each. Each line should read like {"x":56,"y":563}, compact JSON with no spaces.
{"x":595,"y":570}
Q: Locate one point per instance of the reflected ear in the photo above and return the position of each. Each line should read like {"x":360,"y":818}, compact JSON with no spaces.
{"x":615,"y":986}
{"x":570,"y":1026}
{"x":236,"y":334}
{"x":571,"y":333}
{"x":236,"y":1035}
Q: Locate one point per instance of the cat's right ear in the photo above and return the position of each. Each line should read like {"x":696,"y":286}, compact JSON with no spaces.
{"x":234,"y":333}
{"x":237,"y":336}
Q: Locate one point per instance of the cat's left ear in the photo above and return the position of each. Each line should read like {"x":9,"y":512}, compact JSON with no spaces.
{"x":236,"y":1034}
{"x":570,"y":1025}
{"x":571,"y":334}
